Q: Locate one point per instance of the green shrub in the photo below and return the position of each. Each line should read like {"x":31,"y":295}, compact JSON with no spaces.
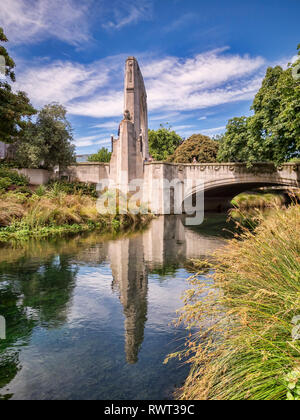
{"x":5,"y":183}
{"x":24,"y":190}
{"x":14,"y":176}
{"x":41,"y":191}
{"x":73,"y":188}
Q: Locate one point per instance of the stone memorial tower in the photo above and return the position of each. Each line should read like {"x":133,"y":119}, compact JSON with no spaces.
{"x":130,"y":150}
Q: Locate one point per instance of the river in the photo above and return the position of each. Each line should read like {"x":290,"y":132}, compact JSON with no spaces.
{"x":91,"y":317}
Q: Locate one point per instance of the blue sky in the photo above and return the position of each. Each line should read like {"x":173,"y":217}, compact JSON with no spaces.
{"x":202,"y":61}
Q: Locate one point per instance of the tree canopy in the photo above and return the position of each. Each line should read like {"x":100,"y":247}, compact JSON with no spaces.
{"x":200,"y":147}
{"x":163,"y":142}
{"x":103,"y":155}
{"x":272,"y":133}
{"x":48,"y":142}
{"x":14,"y":107}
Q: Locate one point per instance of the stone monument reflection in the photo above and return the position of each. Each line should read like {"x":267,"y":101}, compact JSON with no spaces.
{"x":131,"y":279}
{"x":166,"y":242}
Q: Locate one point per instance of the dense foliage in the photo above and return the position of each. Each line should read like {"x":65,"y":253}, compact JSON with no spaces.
{"x":273,"y":132}
{"x":163,"y":143}
{"x":14,"y":107}
{"x":13,"y":176}
{"x":103,"y":155}
{"x":47,"y":142}
{"x":74,"y":187}
{"x":246,"y":347}
{"x":200,"y":147}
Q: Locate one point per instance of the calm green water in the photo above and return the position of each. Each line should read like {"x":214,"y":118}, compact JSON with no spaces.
{"x":89,"y":317}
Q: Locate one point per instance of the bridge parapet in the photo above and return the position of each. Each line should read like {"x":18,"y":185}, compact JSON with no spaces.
{"x":218,"y":170}
{"x":221,"y":181}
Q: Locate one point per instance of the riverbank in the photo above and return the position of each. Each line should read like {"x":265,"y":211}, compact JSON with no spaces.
{"x":247,"y":346}
{"x":59,"y":209}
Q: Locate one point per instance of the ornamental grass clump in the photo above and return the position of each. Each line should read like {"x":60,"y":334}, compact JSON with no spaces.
{"x":247,"y":317}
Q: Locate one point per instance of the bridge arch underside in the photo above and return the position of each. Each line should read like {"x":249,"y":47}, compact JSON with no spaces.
{"x":217,"y":196}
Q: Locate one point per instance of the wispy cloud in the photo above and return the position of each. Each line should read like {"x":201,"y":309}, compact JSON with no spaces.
{"x":174,"y":85}
{"x":91,"y":141}
{"x":180,"y":22}
{"x":71,"y":83}
{"x":182,"y":127}
{"x":28,"y":21}
{"x":107,"y":125}
{"x":205,"y":80}
{"x":128,"y":12}
{"x":212,"y":131}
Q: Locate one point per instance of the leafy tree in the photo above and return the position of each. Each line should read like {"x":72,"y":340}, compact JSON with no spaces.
{"x":48,"y":142}
{"x":163,"y":142}
{"x":14,"y":107}
{"x":273,"y":132}
{"x":103,"y":155}
{"x":233,"y":146}
{"x":203,"y":148}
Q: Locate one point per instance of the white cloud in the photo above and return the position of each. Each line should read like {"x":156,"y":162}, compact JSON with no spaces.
{"x":180,"y":22}
{"x":174,"y":85}
{"x":212,"y":131}
{"x":128,"y":12}
{"x":205,"y":80}
{"x":182,"y":127}
{"x":107,"y":125}
{"x":100,"y":106}
{"x":62,"y":81}
{"x":34,"y":20}
{"x":91,"y":141}
{"x":164,"y":117}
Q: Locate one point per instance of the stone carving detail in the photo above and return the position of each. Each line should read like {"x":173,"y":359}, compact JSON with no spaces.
{"x":127,"y":115}
{"x":130,"y":67}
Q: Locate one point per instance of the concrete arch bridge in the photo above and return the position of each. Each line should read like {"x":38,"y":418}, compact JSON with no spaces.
{"x":220,"y":182}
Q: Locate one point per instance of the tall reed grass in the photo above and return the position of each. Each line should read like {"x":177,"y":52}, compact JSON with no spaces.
{"x":53,"y":211}
{"x":245,"y":317}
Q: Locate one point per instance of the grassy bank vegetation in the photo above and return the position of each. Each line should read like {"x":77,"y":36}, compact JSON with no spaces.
{"x":247,"y":201}
{"x":247,"y":207}
{"x":58,"y":209}
{"x":247,"y":342}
